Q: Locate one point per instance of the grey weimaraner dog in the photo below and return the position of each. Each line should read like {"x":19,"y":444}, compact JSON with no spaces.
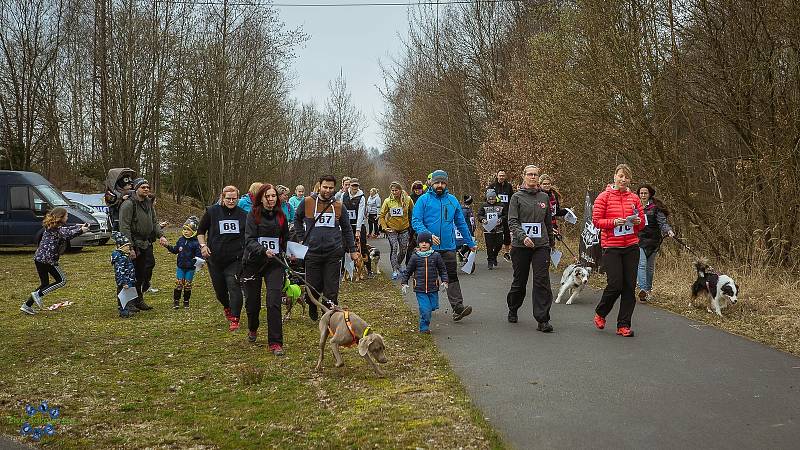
{"x":370,"y":343}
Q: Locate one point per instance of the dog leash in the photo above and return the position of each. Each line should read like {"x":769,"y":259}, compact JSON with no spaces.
{"x":691,"y":252}
{"x":282,"y":261}
{"x":560,"y":238}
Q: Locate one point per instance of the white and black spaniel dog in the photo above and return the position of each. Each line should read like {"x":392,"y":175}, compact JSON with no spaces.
{"x":721,"y":289}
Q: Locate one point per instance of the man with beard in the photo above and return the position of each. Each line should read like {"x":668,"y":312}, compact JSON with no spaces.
{"x":504,"y":191}
{"x":439,"y":213}
{"x":322,"y":223}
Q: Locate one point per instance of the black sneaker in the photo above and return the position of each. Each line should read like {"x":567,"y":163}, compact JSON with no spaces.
{"x":512,"y":317}
{"x":131,"y":307}
{"x":125,"y":314}
{"x":465,"y":311}
{"x":507,"y":256}
{"x":491,"y":266}
{"x":175,"y":305}
{"x":186,"y":305}
{"x":545,"y":327}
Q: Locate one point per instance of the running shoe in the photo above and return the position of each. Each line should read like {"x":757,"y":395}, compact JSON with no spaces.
{"x":27,"y":309}
{"x":251,"y":336}
{"x":625,"y":331}
{"x":599,"y":322}
{"x":234,"y":324}
{"x":276,"y":349}
{"x":37,"y":298}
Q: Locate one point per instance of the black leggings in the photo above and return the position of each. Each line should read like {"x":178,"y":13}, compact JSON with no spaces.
{"x":373,"y":223}
{"x":494,"y":242}
{"x":272,"y":275}
{"x":144,"y":264}
{"x":621,"y":265}
{"x":226,"y":286}
{"x":45,"y":286}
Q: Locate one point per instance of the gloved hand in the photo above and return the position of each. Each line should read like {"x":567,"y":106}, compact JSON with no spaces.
{"x":404,"y":289}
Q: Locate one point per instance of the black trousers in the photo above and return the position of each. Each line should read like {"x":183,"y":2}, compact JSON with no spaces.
{"x":272,"y":276}
{"x":226,"y":285}
{"x":620,"y":264}
{"x":523,"y":259}
{"x":144,"y":264}
{"x":412,"y":243}
{"x":373,"y":223}
{"x":454,"y":294}
{"x":45,"y":271}
{"x":494,"y":242}
{"x":322,"y":274}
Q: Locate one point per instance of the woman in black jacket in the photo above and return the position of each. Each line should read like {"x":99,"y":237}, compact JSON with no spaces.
{"x":650,"y":238}
{"x":266,"y":235}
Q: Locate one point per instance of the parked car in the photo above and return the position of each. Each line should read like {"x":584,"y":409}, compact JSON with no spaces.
{"x":25,"y":198}
{"x":101,"y":217}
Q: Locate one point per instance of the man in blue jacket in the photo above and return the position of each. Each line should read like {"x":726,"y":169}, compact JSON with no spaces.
{"x":438,"y":212}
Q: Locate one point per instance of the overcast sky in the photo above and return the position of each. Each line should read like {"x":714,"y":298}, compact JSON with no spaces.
{"x":351,"y":39}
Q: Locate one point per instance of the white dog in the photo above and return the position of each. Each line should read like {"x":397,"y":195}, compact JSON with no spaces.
{"x":573,"y":281}
{"x":721,"y":289}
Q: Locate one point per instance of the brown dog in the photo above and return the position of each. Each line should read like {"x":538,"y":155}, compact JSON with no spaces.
{"x":347,"y":329}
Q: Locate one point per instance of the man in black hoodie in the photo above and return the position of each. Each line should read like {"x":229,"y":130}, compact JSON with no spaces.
{"x":322,"y":223}
{"x":221,"y":237}
{"x":504,"y":191}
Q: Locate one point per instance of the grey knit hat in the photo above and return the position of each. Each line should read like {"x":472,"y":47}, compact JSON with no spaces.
{"x":491,"y":195}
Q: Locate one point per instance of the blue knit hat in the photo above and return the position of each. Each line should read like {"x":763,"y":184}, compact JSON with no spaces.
{"x":439,"y":175}
{"x":425,"y":236}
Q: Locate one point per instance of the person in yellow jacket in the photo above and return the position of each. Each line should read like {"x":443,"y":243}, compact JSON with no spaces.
{"x":395,"y":218}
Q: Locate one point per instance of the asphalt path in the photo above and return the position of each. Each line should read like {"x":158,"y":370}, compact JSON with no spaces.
{"x":677,"y":384}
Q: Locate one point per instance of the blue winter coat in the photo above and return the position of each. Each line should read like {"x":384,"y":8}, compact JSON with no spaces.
{"x":438,"y":214}
{"x":427,"y":271}
{"x":187,"y":250}
{"x":124,"y":270}
{"x":246,"y":203}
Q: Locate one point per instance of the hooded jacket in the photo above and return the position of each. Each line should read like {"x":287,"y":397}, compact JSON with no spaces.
{"x":114,"y":195}
{"x":440,"y":215}
{"x":357,"y":204}
{"x":246,"y":202}
{"x":655,"y":227}
{"x":397,"y":223}
{"x":529,"y":216}
{"x":426,"y":270}
{"x":373,"y":204}
{"x":138,"y":222}
{"x":54,"y":242}
{"x":124,"y":270}
{"x":187,"y":250}
{"x":488,"y":208}
{"x":613,"y":204}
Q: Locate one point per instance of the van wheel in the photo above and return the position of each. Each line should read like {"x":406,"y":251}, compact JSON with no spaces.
{"x":104,"y":241}
{"x":72,"y":249}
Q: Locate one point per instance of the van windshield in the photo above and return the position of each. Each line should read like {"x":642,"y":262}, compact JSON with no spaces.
{"x":52,"y":196}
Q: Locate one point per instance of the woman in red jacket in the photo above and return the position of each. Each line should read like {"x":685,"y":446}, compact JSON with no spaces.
{"x":619,"y":215}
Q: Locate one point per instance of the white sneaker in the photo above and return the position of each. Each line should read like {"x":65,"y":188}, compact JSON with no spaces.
{"x":37,"y":298}
{"x":152,"y":290}
{"x":27,"y":309}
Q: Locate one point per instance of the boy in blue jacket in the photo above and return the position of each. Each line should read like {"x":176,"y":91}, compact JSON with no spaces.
{"x":187,"y":248}
{"x":124,"y":271}
{"x":427,"y":267}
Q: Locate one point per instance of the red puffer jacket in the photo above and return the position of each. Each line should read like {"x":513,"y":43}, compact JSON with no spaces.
{"x":613,"y":204}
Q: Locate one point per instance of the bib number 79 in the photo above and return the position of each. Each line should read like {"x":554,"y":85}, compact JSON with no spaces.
{"x":532,"y":230}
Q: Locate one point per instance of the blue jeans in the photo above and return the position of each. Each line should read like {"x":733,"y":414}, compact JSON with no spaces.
{"x":427,"y":303}
{"x":647,"y":267}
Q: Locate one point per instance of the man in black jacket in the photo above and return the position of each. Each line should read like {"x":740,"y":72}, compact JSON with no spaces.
{"x":504,"y":191}
{"x":322,"y":223}
{"x":221,"y":237}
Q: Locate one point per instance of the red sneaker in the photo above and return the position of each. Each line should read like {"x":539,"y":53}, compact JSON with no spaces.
{"x":234,"y":324}
{"x":276,"y":349}
{"x":625,"y":332}
{"x":599,"y":322}
{"x":228,"y":315}
{"x":251,"y":336}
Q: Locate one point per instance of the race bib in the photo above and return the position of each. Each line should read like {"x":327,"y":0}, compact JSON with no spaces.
{"x":396,"y":212}
{"x":491,"y":216}
{"x":228,"y":227}
{"x":353,"y":214}
{"x":503,"y":198}
{"x":269,"y":243}
{"x":532,"y":230}
{"x":327,"y":219}
{"x":458,"y":234}
{"x":623,"y":230}
{"x":472,"y":221}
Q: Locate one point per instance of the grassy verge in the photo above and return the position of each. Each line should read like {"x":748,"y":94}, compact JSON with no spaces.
{"x":179,"y":379}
